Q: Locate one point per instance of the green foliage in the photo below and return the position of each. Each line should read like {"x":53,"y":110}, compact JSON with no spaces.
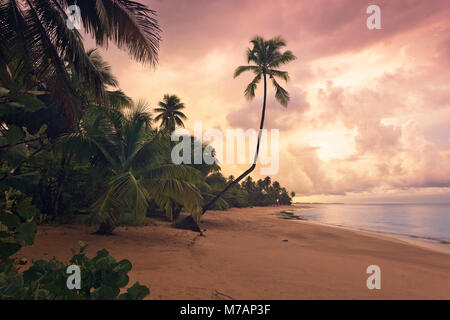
{"x":250,"y":193}
{"x":17,"y":227}
{"x":102,"y":277}
{"x":169,"y":112}
{"x":19,"y":149}
{"x":37,"y":44}
{"x":265,"y":193}
{"x":130,"y":219}
{"x":136,"y":163}
{"x":25,"y":162}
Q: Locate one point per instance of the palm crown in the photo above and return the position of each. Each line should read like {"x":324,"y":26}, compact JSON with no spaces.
{"x":266,"y":57}
{"x":169,"y":112}
{"x":35,"y":33}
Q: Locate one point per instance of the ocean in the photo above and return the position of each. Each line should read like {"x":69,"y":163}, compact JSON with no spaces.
{"x":420,"y":221}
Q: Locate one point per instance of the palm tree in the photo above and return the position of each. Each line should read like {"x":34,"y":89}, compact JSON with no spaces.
{"x":169,"y":112}
{"x":267,"y":182}
{"x":249,"y":185}
{"x":137,"y":158}
{"x":113,"y":96}
{"x":87,"y":98}
{"x":266,"y":57}
{"x":35,"y":34}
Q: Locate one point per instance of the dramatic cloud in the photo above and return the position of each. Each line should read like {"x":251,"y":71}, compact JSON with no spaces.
{"x":370,"y":109}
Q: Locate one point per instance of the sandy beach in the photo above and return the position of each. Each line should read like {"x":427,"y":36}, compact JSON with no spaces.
{"x":252,"y":254}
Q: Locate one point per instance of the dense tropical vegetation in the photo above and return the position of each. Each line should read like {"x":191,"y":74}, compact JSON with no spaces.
{"x":76,"y":148}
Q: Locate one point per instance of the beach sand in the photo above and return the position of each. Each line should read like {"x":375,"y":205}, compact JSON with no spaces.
{"x":243,"y":255}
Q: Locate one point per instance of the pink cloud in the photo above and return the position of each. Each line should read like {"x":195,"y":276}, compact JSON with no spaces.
{"x":399,"y":116}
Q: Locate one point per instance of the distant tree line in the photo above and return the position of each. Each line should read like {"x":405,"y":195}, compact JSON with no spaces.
{"x":262,"y":192}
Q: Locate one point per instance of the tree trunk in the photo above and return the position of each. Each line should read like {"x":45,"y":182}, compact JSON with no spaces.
{"x":246,"y":173}
{"x":61,"y":180}
{"x":107,"y":227}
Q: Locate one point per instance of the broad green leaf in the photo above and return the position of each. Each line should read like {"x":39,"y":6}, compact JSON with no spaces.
{"x":26,"y":232}
{"x":13,"y":135}
{"x":7,"y":249}
{"x":28,"y":102}
{"x":123,"y":266}
{"x":136,"y":292}
{"x":26,"y":209}
{"x":9,"y":219}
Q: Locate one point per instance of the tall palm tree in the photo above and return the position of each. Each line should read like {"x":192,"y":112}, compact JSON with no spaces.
{"x":35,"y":34}
{"x":137,"y":157}
{"x":113,"y":95}
{"x":266,"y":57}
{"x":113,"y":98}
{"x":169,"y":112}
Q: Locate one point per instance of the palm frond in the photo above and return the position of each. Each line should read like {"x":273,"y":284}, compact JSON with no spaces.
{"x":242,"y":69}
{"x":129,"y":24}
{"x":281,"y":94}
{"x":280,"y":74}
{"x":117,"y":99}
{"x":250,"y":90}
{"x":282,"y":58}
{"x":182,"y":192}
{"x":125,"y":192}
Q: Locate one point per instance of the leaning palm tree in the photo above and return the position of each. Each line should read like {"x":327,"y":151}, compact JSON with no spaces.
{"x":36,"y":33}
{"x":136,"y":157}
{"x":266,"y":57}
{"x":169,"y":112}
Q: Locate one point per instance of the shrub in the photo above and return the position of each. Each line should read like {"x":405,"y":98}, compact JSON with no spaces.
{"x":101,"y":277}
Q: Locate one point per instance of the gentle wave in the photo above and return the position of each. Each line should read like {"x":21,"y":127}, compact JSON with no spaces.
{"x":419,"y":221}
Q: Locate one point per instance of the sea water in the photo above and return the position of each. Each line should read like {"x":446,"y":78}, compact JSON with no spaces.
{"x":421,"y":221}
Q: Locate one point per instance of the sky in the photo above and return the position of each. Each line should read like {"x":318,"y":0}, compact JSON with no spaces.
{"x":369,"y":116}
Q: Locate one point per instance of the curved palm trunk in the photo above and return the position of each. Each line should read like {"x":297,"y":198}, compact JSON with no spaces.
{"x":189,"y":221}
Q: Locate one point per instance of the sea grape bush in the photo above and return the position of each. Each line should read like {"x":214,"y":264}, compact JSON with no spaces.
{"x":102,"y":277}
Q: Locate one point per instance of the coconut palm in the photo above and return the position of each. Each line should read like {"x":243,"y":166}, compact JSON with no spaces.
{"x":35,"y":39}
{"x":86,"y":96}
{"x":264,"y":58}
{"x":137,"y":158}
{"x":169,"y":112}
{"x":113,"y":96}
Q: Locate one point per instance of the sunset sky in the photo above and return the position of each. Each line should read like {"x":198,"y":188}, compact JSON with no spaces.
{"x":369,"y":117}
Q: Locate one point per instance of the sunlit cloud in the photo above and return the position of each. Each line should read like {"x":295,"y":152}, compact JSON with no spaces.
{"x":369,"y":116}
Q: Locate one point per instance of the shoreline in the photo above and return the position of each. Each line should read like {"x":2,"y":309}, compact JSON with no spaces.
{"x":429,"y":244}
{"x":250,"y":253}
{"x":419,"y":242}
